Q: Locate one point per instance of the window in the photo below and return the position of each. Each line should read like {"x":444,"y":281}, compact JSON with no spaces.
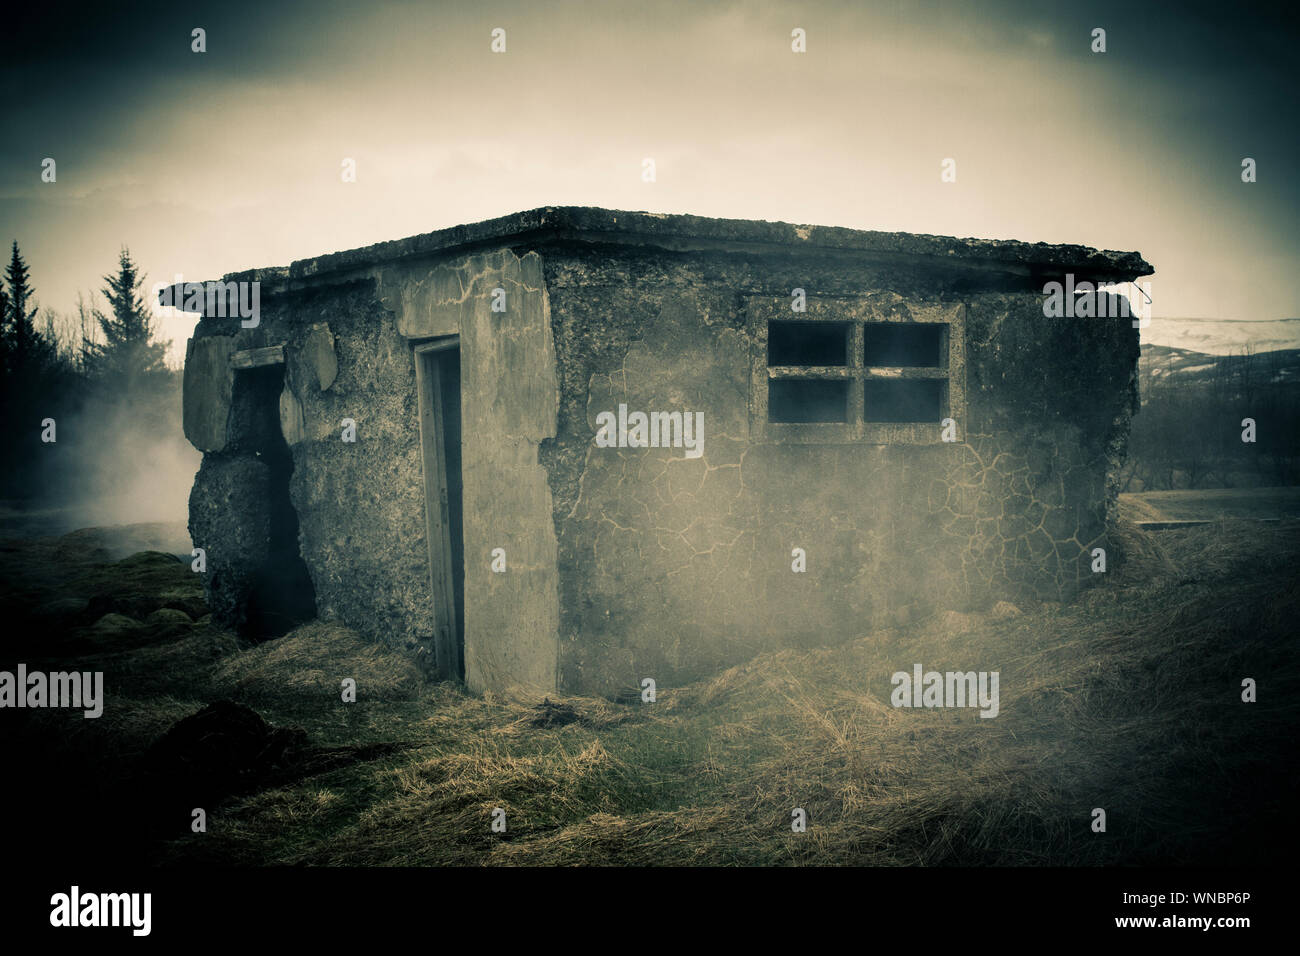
{"x":904,"y":400}
{"x":890,"y":348}
{"x":910,"y":344}
{"x":876,"y":370}
{"x":807,"y":400}
{"x":808,"y":343}
{"x":808,"y":360}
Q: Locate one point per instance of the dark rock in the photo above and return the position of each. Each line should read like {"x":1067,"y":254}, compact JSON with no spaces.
{"x":223,"y":746}
{"x":227,"y":749}
{"x":551,"y":714}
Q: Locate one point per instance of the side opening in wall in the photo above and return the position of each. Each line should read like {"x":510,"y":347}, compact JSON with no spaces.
{"x":281,"y":595}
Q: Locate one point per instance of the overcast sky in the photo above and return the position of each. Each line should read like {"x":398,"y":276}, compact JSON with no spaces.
{"x":209,"y":163}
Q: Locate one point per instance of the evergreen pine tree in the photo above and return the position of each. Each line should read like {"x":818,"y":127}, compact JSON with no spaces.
{"x":129,"y":359}
{"x":22,"y":346}
{"x":4,"y":334}
{"x":30,"y":384}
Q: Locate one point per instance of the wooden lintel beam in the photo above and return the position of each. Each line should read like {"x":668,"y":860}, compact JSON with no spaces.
{"x":257,"y":358}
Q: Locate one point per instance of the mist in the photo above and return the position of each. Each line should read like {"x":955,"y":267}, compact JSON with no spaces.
{"x":128,"y":463}
{"x":91,"y":456}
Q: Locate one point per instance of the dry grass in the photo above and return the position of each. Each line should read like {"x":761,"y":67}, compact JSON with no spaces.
{"x":1127,"y":698}
{"x":1213,"y":504}
{"x":311,"y":662}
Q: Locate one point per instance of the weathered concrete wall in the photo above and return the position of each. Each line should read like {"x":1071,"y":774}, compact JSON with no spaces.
{"x":360,"y":505}
{"x":672,"y":568}
{"x":348,"y":355}
{"x":208,"y":386}
{"x":509,"y":397}
{"x":632,"y":563}
{"x":230,"y":521}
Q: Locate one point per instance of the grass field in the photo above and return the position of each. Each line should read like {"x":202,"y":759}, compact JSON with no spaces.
{"x":1214,"y":504}
{"x":1127,"y":698}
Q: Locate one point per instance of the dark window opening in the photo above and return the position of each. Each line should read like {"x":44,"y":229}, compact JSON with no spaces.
{"x":903,"y":400}
{"x":807,"y":343}
{"x":906,"y":345}
{"x":282,"y":595}
{"x":807,"y":400}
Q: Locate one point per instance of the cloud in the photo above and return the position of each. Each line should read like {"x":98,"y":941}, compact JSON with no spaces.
{"x":217,"y":162}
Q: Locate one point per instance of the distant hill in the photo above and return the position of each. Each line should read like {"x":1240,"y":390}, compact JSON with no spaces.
{"x":1222,"y":336}
{"x":1191,"y":430}
{"x":1185,"y":366}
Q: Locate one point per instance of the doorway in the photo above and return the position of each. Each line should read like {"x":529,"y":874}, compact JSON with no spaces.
{"x":437,"y":375}
{"x":281,"y":595}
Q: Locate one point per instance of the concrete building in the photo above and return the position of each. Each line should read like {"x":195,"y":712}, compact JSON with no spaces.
{"x":573,"y":448}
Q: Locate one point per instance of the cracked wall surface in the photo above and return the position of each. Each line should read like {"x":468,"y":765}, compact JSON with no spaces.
{"x":360,"y":505}
{"x":348,"y":354}
{"x":509,"y":397}
{"x":640,"y":562}
{"x":673,"y":568}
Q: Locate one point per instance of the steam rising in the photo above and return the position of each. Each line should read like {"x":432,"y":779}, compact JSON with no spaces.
{"x":123,"y":462}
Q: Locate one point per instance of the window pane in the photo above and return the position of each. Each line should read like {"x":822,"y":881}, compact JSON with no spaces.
{"x":807,"y":343}
{"x":907,"y":344}
{"x":903,"y":400}
{"x":807,"y":400}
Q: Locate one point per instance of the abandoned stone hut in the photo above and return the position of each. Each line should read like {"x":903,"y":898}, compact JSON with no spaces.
{"x":573,"y":448}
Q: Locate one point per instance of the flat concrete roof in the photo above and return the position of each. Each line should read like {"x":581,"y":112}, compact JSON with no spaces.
{"x":683,"y":232}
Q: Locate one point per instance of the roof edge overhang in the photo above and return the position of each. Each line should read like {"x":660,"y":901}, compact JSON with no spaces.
{"x":598,"y":226}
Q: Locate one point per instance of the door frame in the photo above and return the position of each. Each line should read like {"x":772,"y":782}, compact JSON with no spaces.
{"x":428,"y":385}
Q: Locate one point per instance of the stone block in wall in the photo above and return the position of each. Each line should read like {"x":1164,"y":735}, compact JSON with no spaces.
{"x":318,"y":355}
{"x":208,"y":387}
{"x":230,"y":519}
{"x":291,"y":422}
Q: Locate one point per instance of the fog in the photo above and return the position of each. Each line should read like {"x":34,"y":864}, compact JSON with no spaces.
{"x":112,"y":463}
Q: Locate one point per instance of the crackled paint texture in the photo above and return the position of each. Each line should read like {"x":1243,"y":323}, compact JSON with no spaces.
{"x":672,"y":568}
{"x":634,"y":563}
{"x":508,"y":407}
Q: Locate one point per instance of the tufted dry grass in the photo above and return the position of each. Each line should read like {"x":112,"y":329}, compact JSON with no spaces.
{"x":1126,"y":698}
